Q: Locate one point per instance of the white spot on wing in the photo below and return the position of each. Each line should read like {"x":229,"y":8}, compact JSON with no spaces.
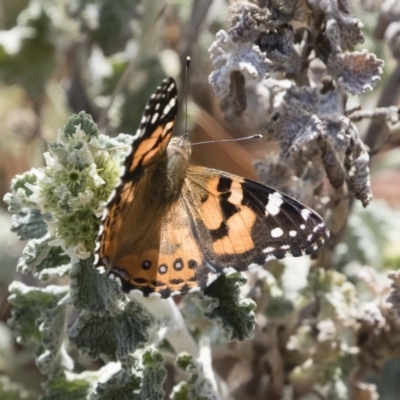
{"x":270,"y":257}
{"x":178,"y":265}
{"x":268,"y":249}
{"x":302,"y":226}
{"x":137,"y":133}
{"x":96,"y":259}
{"x":277,"y":232}
{"x":169,"y":126}
{"x":112,"y":195}
{"x":104,"y":216}
{"x":274,"y":203}
{"x":317,"y":227}
{"x":155,"y":294}
{"x":168,"y":107}
{"x":155,"y":118}
{"x":305,"y":213}
{"x":292,"y":233}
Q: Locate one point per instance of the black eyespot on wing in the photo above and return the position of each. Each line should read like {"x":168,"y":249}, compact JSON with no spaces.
{"x":162,"y":269}
{"x":146,"y":264}
{"x":178,"y":264}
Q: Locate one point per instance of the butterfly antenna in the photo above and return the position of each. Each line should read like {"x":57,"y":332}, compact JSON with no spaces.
{"x":256,"y":136}
{"x":186,"y":135}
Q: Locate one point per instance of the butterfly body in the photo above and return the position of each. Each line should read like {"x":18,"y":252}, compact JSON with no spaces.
{"x":170,"y":228}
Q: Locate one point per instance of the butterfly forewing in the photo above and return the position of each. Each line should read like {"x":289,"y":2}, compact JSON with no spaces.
{"x":241,"y":223}
{"x":149,"y":144}
{"x":155,"y":130}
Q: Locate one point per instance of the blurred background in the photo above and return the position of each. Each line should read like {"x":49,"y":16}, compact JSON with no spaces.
{"x":58,"y":57}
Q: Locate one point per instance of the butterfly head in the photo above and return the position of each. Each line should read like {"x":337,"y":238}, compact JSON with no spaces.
{"x":179,"y":146}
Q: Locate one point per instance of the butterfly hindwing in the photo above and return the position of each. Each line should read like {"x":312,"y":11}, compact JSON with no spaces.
{"x":172,"y":264}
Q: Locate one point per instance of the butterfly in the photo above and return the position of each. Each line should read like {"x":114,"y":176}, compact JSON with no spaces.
{"x":170,"y":228}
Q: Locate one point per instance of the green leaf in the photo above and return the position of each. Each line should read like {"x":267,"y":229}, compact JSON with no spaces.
{"x":224,"y":305}
{"x":154,"y":374}
{"x":66,"y":389}
{"x":30,"y":307}
{"x":94,"y":292}
{"x":86,"y":123}
{"x":112,"y":338}
{"x":54,"y":359}
{"x":28,"y":224}
{"x":18,"y":199}
{"x":38,"y":256}
{"x":122,"y":386}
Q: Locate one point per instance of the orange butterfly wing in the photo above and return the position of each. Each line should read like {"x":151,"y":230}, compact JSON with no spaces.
{"x":173,"y":263}
{"x":241,"y":223}
{"x":149,"y":144}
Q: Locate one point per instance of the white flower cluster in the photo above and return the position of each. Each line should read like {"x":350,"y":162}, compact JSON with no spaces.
{"x":71,"y":190}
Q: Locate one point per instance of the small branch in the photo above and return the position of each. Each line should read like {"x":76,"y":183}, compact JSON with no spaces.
{"x":384,"y":113}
